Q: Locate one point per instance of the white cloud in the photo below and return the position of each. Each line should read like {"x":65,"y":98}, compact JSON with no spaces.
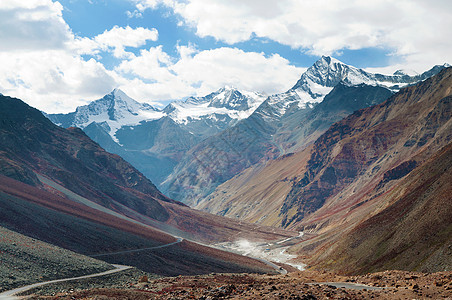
{"x":42,"y":59}
{"x":52,"y":80}
{"x":142,"y":5}
{"x":245,"y":70}
{"x":45,"y":68}
{"x":34,"y":24}
{"x":40,"y":56}
{"x":134,"y":14}
{"x":417,"y":31}
{"x":118,"y":38}
{"x":151,"y":65}
{"x":201,"y":72}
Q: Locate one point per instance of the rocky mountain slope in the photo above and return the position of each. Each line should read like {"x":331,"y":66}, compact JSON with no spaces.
{"x":282,"y":124}
{"x":41,"y":261}
{"x":90,"y":231}
{"x":257,"y":194}
{"x":340,"y":102}
{"x":370,"y":167}
{"x":413,"y":232}
{"x":355,"y":152}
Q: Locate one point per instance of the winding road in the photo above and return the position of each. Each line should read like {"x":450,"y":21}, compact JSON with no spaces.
{"x":350,"y":285}
{"x":179,"y":240}
{"x":277,"y":268}
{"x":118,"y":268}
{"x":10,"y":295}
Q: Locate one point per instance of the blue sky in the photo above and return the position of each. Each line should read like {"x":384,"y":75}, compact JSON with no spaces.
{"x":57,"y":55}
{"x":99,"y":16}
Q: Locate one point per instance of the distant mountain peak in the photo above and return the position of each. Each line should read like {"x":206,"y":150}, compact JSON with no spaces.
{"x":228,"y":88}
{"x":329,"y":60}
{"x":404,"y":72}
{"x":327,"y":72}
{"x":116,"y":90}
{"x":119,"y":96}
{"x":224,"y":106}
{"x":114,"y":110}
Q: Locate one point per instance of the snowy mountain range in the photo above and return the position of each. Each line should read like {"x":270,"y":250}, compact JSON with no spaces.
{"x":160,"y":143}
{"x":155,"y":140}
{"x":208,"y":115}
{"x":205,"y":116}
{"x":327,"y":72}
{"x":282,"y":124}
{"x":200,"y":115}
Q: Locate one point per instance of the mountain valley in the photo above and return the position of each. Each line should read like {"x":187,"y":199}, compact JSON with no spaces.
{"x":346,"y":173}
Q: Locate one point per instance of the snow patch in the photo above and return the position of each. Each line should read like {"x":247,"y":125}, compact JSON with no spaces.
{"x":226,"y":103}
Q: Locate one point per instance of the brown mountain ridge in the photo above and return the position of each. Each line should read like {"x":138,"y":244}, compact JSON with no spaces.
{"x":352,"y":173}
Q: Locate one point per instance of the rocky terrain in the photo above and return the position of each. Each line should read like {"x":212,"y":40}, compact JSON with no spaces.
{"x":80,"y":228}
{"x":32,"y":143}
{"x":284,"y":123}
{"x":403,"y":235}
{"x":381,"y":174}
{"x":24,"y":260}
{"x":295,"y":285}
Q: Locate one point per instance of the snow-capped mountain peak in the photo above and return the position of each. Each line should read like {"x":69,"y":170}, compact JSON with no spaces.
{"x":118,"y":106}
{"x":227,"y":101}
{"x":327,"y":72}
{"x":231,"y":98}
{"x":123,"y":104}
{"x":113,"y":111}
{"x":405,"y":72}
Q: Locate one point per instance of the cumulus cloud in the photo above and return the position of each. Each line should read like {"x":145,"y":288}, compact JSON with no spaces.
{"x":44,"y":62}
{"x":118,"y":38}
{"x":52,"y":80}
{"x":33,"y":24}
{"x":41,"y":57}
{"x":46,"y":66}
{"x":414,"y":30}
{"x":115,"y":40}
{"x":201,"y":72}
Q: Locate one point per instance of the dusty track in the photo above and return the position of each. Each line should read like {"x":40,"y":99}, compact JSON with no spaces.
{"x":11,"y":293}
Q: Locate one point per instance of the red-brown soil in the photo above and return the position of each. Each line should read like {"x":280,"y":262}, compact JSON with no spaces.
{"x":32,"y":211}
{"x":413,"y":232}
{"x":43,"y":198}
{"x":298,"y":285}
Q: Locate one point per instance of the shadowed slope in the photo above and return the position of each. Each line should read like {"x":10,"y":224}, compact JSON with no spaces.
{"x":31,"y":143}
